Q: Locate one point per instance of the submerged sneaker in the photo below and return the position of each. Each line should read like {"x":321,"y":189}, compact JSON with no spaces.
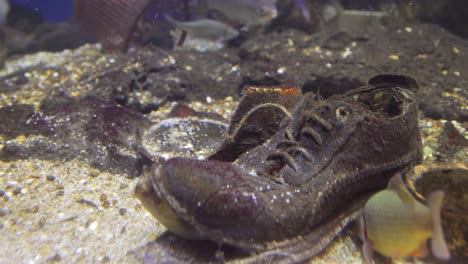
{"x":329,"y":152}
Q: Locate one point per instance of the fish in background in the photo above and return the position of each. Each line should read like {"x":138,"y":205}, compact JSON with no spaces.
{"x":218,"y":21}
{"x":120,"y":24}
{"x":396,"y":225}
{"x":206,"y":28}
{"x":248,"y":13}
{"x":199,"y":33}
{"x":4,"y":8}
{"x":117,"y":22}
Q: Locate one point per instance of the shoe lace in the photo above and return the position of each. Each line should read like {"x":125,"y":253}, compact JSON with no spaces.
{"x":288,"y":149}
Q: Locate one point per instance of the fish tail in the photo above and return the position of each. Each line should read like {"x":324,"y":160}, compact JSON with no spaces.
{"x":179,"y":39}
{"x":367,"y":252}
{"x":180,"y":42}
{"x":438,"y":244}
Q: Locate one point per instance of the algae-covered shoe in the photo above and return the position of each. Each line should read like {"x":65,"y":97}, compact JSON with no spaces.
{"x":323,"y":157}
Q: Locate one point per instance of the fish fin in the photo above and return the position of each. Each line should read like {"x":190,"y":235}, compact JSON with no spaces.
{"x":179,"y":37}
{"x":396,"y":184}
{"x":367,"y":252}
{"x":438,"y":245}
{"x":179,"y":34}
{"x":421,"y":251}
{"x":180,"y":42}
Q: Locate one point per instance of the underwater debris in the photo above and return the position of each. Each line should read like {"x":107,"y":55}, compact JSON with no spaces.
{"x":264,"y":197}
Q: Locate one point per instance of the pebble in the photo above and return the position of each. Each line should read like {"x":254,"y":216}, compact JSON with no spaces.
{"x":3,"y":211}
{"x":93,"y":226}
{"x":122,"y":211}
{"x":50,"y":177}
{"x":42,"y":222}
{"x":56,"y":258}
{"x":16,"y":191}
{"x":105,"y":204}
{"x":94,"y":172}
{"x":33,"y":209}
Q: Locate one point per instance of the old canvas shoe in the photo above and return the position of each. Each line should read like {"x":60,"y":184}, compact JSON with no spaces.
{"x":325,"y":154}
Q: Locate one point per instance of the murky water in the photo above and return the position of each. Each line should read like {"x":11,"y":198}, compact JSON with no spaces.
{"x":96,"y":95}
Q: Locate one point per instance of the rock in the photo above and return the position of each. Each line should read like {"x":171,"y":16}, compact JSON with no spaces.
{"x":100,"y":131}
{"x":326,"y":63}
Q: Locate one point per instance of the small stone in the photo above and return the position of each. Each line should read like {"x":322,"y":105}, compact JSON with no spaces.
{"x":2,"y":193}
{"x":89,"y":203}
{"x":122,"y":211}
{"x":42,"y":222}
{"x":281,"y":70}
{"x":33,"y":209}
{"x":50,"y":177}
{"x":93,"y":226}
{"x":106,"y":259}
{"x":94,"y":172}
{"x":56,"y":258}
{"x":138,"y":207}
{"x":105,"y":204}
{"x":3,"y":211}
{"x":16,"y":191}
{"x":103,"y":197}
{"x":60,"y":193}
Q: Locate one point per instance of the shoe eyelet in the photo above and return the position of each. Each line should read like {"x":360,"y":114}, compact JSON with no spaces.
{"x":342,"y":114}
